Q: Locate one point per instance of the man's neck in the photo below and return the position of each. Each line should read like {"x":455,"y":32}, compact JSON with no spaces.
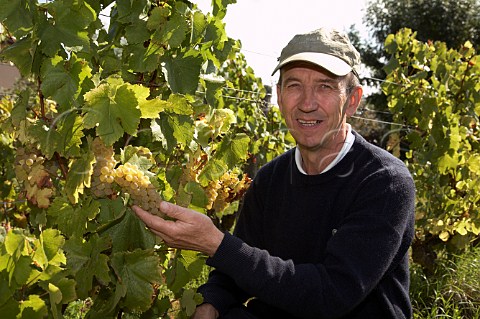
{"x":315,"y":161}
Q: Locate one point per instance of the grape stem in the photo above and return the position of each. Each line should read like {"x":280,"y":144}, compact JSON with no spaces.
{"x":60,"y":164}
{"x":41,"y":97}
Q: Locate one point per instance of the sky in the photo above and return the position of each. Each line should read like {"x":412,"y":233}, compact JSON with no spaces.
{"x":265,"y":26}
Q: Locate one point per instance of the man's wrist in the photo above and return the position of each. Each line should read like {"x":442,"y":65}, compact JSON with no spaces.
{"x":216,"y":240}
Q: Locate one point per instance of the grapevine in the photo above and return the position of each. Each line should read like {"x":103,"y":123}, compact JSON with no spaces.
{"x":144,"y":80}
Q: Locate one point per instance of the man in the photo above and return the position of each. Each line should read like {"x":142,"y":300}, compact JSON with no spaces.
{"x":324,"y":230}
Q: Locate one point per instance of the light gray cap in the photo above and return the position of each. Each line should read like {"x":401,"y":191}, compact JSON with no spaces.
{"x":328,"y":48}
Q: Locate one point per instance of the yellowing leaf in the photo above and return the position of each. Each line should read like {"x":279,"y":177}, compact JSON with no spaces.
{"x":444,"y":236}
{"x":55,"y":293}
{"x":79,"y":176}
{"x":43,"y":197}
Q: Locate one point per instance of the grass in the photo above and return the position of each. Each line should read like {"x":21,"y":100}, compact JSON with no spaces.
{"x":452,"y":292}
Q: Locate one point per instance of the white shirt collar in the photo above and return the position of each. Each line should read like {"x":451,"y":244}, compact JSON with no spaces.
{"x":345,"y":148}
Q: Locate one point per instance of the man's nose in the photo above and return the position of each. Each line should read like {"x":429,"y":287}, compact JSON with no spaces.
{"x":309,"y":102}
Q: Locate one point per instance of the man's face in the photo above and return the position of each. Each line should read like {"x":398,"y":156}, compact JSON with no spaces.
{"x":314,"y":104}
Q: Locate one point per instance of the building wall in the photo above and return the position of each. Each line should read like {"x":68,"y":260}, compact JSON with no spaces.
{"x":8,"y":75}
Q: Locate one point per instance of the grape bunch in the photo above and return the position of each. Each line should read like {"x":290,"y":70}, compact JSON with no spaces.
{"x":105,"y":162}
{"x":110,"y":179}
{"x":134,"y":182}
{"x":226,"y":190}
{"x":30,"y":170}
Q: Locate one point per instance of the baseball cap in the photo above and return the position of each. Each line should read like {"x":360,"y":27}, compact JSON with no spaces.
{"x":328,"y":48}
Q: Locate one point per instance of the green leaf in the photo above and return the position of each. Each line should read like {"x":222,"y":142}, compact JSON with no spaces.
{"x":33,"y":308}
{"x":137,"y":271}
{"x":19,"y":111}
{"x":220,"y":7}
{"x":198,"y":196}
{"x":121,"y":234}
{"x":190,"y":300}
{"x":55,"y":294}
{"x":212,"y":171}
{"x":182,"y":73}
{"x":234,"y":149}
{"x":62,"y":80}
{"x":177,"y":276}
{"x":113,"y":109}
{"x":48,"y":249}
{"x":67,"y":287}
{"x":157,"y":18}
{"x":110,"y":210}
{"x":194,"y":262}
{"x":129,"y":11}
{"x":175,"y":30}
{"x":15,"y":15}
{"x":72,"y":221}
{"x":446,"y":162}
{"x":10,"y":309}
{"x":137,"y":33}
{"x":63,"y":135}
{"x":78,"y":177}
{"x":20,"y":53}
{"x":8,"y":7}
{"x":182,"y":128}
{"x":222,"y":119}
{"x":68,"y":27}
{"x":55,"y":299}
{"x":198,"y":26}
{"x":86,"y":259}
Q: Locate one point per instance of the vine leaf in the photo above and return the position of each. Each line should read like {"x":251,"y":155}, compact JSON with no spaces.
{"x":79,"y":176}
{"x":64,"y":137}
{"x":87,"y":260}
{"x":21,"y":54}
{"x":121,"y":234}
{"x":69,"y":27}
{"x":71,"y":220}
{"x":138,"y":271}
{"x":212,"y":171}
{"x":34,"y":307}
{"x":182,"y":72}
{"x":64,"y":80}
{"x":190,"y":300}
{"x":233,"y":149}
{"x":48,"y":249}
{"x":113,"y":109}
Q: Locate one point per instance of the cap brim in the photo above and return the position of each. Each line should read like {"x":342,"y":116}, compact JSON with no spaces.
{"x":329,"y":62}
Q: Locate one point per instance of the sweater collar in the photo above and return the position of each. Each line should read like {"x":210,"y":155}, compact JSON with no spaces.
{"x":345,"y":148}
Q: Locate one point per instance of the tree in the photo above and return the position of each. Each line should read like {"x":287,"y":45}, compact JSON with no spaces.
{"x":450,"y":21}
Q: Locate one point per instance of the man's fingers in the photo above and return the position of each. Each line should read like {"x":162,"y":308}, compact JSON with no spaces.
{"x":172,"y":210}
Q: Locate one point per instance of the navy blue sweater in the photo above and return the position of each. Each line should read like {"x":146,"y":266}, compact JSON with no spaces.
{"x":333,"y":245}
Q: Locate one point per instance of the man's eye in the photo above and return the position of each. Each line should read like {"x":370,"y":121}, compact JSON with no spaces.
{"x":293,"y":85}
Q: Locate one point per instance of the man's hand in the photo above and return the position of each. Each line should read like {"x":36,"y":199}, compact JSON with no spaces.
{"x":189,"y":229}
{"x":205,"y":311}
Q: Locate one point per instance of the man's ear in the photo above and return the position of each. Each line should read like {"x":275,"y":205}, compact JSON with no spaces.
{"x":354,"y":100}
{"x":279,"y":96}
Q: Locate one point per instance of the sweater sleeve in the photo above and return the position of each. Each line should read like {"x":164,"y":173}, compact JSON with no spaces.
{"x":221,"y":290}
{"x":372,"y":241}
